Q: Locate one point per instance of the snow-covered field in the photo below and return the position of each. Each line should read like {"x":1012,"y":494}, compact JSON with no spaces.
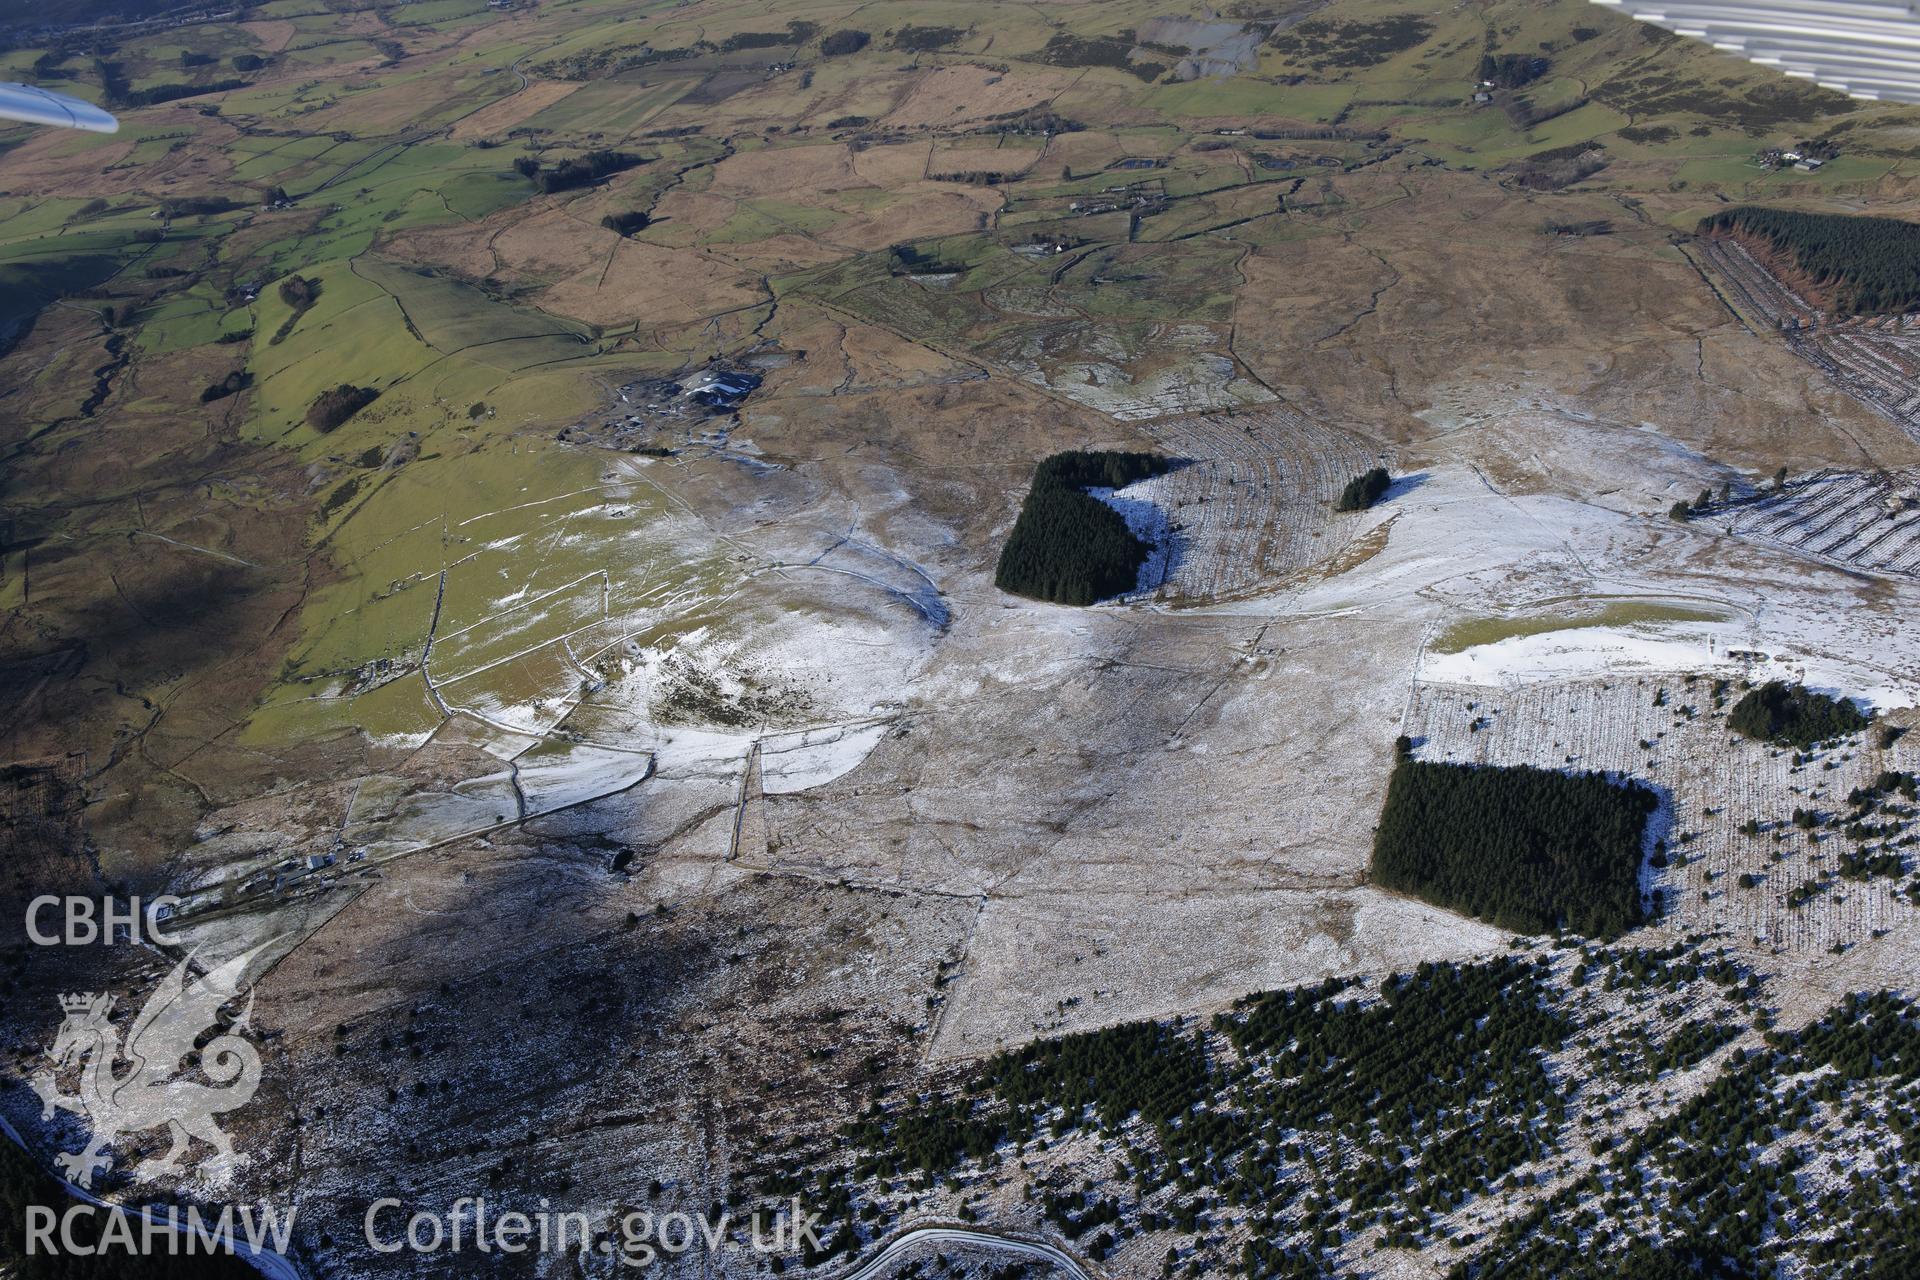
{"x":1606,"y":606}
{"x":1153,"y":807}
{"x":1782,"y":648}
{"x":808,"y":758}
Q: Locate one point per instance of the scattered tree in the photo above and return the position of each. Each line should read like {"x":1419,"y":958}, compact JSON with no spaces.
{"x":844,"y":42}
{"x":237,"y":381}
{"x":626,"y":223}
{"x":579,"y":171}
{"x":1512,"y":70}
{"x":1363,"y":491}
{"x":1794,"y":715}
{"x":299,"y":292}
{"x":331,"y":408}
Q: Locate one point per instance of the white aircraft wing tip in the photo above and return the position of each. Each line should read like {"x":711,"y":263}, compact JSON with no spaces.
{"x":32,"y":105}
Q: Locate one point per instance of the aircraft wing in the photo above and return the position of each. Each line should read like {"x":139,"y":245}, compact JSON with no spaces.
{"x":1866,"y":48}
{"x":38,"y":106}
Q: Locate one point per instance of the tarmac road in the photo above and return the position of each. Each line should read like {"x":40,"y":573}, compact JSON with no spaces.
{"x":915,"y":1237}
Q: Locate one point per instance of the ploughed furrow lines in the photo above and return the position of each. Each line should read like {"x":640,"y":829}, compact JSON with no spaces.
{"x":1863,"y":520}
{"x":1849,"y":511}
{"x":1252,"y":502}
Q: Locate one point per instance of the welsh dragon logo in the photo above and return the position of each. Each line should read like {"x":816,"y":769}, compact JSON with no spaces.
{"x":155,"y":1087}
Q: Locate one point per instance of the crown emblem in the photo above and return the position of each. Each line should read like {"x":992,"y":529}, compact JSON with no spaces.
{"x":80,"y":1001}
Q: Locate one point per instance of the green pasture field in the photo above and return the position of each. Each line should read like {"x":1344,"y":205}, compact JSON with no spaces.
{"x":1711,"y":144}
{"x":1282,"y":230}
{"x":113,"y":241}
{"x":1482,"y":138}
{"x":157,"y":58}
{"x":1734,"y":173}
{"x":353,"y":318}
{"x":1199,"y":174}
{"x":1473,"y":632}
{"x":1201,"y":213}
{"x":388,"y":325}
{"x":266,"y":101}
{"x":474,"y":195}
{"x":614,"y":108}
{"x":391,"y":190}
{"x":614,"y":25}
{"x":455,"y":319}
{"x":147,"y":151}
{"x":48,"y":249}
{"x":24,"y":219}
{"x":758,"y":219}
{"x":316,"y":48}
{"x":190,"y":319}
{"x":293,"y":9}
{"x":535,"y":547}
{"x":294,"y":163}
{"x":441,"y":15}
{"x":1192,"y":280}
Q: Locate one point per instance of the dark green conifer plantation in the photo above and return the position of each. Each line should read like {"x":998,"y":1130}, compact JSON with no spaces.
{"x":1871,"y":265}
{"x":1528,"y":849}
{"x":1067,"y":546}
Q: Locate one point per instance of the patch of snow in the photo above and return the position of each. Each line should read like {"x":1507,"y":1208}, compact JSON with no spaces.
{"x":1591,"y":651}
{"x":554,"y":775}
{"x":1147,"y":521}
{"x":814,"y":757}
